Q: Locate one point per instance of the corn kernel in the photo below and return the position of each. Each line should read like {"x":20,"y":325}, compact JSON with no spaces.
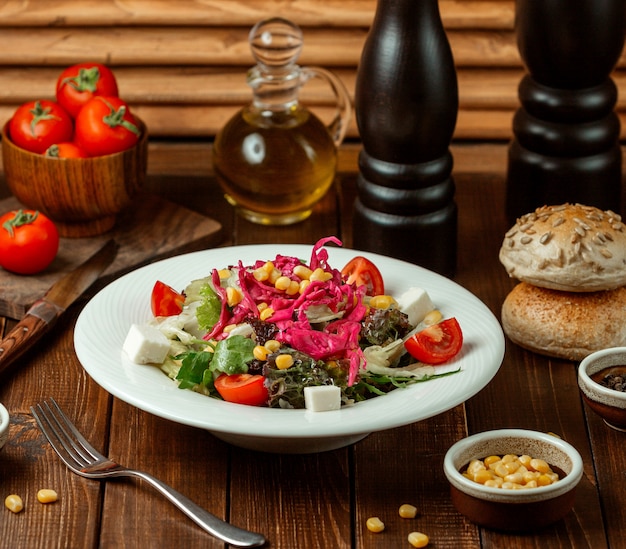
{"x":260,"y":274}
{"x":284,"y":362}
{"x":47,"y":496}
{"x":544,"y":480}
{"x":382,"y":302}
{"x":407,"y":510}
{"x":320,"y":275}
{"x":262,"y":306}
{"x":511,"y":466}
{"x":274,"y":276}
{"x":294,"y":288}
{"x":266,"y":313}
{"x":491,"y":459}
{"x":539,"y":465}
{"x":374,"y":524}
{"x":474,"y":466}
{"x":233,"y":296}
{"x":260,"y":352}
{"x":433,"y":317}
{"x":418,"y":539}
{"x":302,"y":272}
{"x":483,"y":476}
{"x":501,"y":470}
{"x":272,"y":345}
{"x":516,"y":478}
{"x":496,"y":482}
{"x":14,"y":503}
{"x":224,"y":274}
{"x":304,"y":284}
{"x":282,"y":283}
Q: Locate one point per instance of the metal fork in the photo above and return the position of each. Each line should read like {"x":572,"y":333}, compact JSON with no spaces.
{"x":84,"y":460}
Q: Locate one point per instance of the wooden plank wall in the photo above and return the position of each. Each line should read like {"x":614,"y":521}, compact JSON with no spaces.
{"x":181,"y":63}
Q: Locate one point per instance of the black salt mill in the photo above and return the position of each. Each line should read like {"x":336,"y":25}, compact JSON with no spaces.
{"x":566,"y":133}
{"x":406,"y":104}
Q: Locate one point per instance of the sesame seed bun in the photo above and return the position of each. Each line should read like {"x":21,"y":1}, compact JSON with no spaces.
{"x":570,"y":247}
{"x":567,"y":325}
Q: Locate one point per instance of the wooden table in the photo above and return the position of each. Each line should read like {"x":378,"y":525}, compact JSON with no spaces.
{"x":302,"y":501}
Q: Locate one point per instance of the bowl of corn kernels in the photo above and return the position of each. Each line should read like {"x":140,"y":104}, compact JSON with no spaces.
{"x":513,"y":480}
{"x":4,"y":425}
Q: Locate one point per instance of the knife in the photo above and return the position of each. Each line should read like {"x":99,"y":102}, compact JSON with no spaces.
{"x":43,"y":314}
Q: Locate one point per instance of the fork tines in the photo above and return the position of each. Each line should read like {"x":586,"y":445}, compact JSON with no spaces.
{"x":63,"y":436}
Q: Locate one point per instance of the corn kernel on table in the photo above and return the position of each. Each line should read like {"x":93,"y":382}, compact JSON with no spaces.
{"x":309,"y":501}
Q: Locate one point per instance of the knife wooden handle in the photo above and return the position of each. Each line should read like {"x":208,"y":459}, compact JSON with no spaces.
{"x":37,"y":321}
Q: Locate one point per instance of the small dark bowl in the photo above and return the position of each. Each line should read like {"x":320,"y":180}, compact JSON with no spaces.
{"x":608,"y":403}
{"x":513,"y":510}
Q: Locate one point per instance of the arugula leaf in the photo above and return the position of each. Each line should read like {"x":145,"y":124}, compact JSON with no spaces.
{"x":232,"y":355}
{"x":192,"y":369}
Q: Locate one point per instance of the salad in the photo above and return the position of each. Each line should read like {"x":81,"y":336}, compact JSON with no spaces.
{"x":288,"y":333}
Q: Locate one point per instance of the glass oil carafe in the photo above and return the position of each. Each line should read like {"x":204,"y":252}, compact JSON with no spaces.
{"x":275,"y":159}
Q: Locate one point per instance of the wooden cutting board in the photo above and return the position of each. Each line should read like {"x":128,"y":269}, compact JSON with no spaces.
{"x":155,"y":228}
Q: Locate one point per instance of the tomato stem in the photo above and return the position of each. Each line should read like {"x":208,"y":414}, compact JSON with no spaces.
{"x":21,"y":218}
{"x":85,"y":80}
{"x":40,"y":113}
{"x":116,"y":118}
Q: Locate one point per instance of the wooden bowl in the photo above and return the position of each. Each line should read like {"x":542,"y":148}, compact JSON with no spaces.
{"x":81,"y":195}
{"x":521,"y":510}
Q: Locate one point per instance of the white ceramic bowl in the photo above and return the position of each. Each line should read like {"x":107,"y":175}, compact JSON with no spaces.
{"x":104,"y":322}
{"x":4,"y":425}
{"x":608,"y":403}
{"x":513,"y":510}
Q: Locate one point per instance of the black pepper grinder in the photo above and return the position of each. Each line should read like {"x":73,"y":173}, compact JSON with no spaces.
{"x":566,"y":133}
{"x":406,"y":104}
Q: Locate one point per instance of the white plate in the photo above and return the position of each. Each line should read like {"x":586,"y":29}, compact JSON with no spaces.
{"x":104,"y":322}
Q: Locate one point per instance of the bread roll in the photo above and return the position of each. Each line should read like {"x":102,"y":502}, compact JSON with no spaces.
{"x":567,"y":325}
{"x":570,"y":247}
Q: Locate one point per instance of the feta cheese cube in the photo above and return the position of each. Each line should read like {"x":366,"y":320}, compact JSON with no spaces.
{"x":322,"y":398}
{"x":416,"y":304}
{"x":146,"y":344}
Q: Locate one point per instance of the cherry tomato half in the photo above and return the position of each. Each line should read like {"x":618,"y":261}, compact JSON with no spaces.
{"x":65,"y":150}
{"x":242,"y":389}
{"x":79,"y":83}
{"x":36,"y":125}
{"x":362,"y":271}
{"x":437,"y":343}
{"x":165,"y":300}
{"x":29,"y":241}
{"x":105,"y":125}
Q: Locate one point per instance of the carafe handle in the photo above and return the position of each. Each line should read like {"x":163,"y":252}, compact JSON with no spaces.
{"x":339,"y":124}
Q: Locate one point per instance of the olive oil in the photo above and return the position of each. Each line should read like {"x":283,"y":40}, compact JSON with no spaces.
{"x":275,"y":159}
{"x":274,"y":167}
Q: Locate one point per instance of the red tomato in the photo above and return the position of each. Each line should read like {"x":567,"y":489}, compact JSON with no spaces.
{"x":105,"y":125}
{"x":362,"y":271}
{"x":437,"y":343}
{"x":165,"y":300}
{"x":79,"y":83}
{"x":29,"y":241}
{"x":242,"y":389}
{"x":65,"y":150}
{"x":37,"y":125}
